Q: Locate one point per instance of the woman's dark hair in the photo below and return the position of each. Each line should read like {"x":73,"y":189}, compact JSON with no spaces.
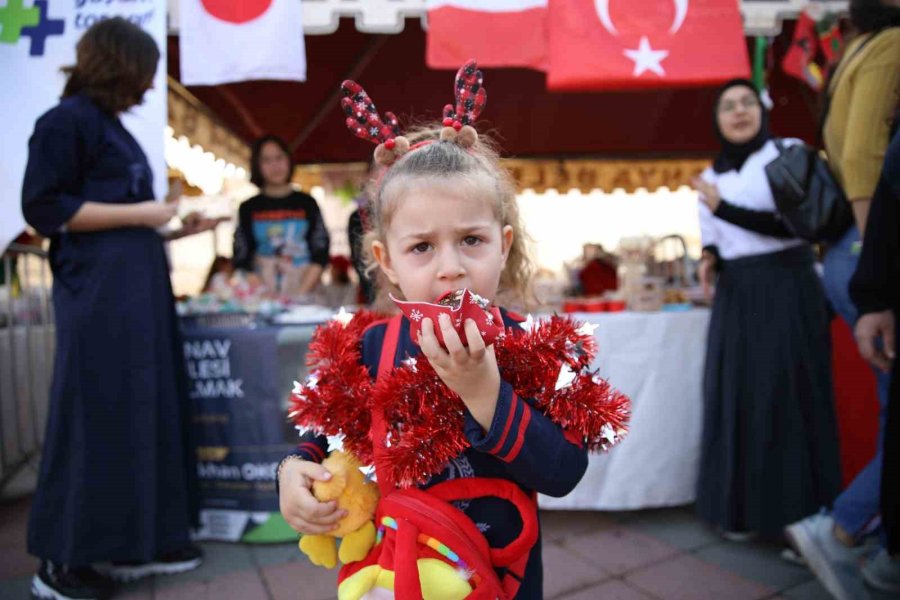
{"x":114,"y":65}
{"x":256,"y":177}
{"x":871,"y":15}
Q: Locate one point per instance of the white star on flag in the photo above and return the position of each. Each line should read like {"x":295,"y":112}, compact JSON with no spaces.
{"x":646,"y":58}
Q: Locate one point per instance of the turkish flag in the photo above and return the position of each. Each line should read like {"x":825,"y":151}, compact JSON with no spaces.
{"x":497,"y":33}
{"x":635,"y":44}
{"x":223,"y":41}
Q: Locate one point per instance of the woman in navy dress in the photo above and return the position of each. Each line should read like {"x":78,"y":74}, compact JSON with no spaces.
{"x":117,"y":481}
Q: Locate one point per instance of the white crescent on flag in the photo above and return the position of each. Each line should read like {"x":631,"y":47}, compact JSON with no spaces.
{"x":603,"y":13}
{"x":602,"y":6}
{"x":681,"y":10}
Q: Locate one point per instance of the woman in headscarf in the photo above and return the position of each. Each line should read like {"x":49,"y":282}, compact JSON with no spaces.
{"x":770,"y":448}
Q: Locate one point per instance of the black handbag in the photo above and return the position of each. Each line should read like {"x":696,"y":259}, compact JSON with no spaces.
{"x":808,"y":197}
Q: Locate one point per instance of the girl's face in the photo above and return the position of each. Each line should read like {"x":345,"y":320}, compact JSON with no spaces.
{"x":739,"y":114}
{"x":441,"y":239}
{"x":274,"y":164}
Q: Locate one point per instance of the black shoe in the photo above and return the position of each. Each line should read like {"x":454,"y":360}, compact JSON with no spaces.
{"x":178,"y":561}
{"x":58,"y":582}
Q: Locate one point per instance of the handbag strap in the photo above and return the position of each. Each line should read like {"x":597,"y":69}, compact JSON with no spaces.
{"x":779,"y":143}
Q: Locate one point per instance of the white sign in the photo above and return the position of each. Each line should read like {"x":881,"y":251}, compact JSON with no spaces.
{"x":37,"y":38}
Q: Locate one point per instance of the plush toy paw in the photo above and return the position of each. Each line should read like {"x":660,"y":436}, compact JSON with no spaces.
{"x":321,"y":550}
{"x":355,"y":546}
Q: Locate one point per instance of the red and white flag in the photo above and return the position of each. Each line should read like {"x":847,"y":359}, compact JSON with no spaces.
{"x":632,"y":44}
{"x":223,"y":41}
{"x":498,"y":33}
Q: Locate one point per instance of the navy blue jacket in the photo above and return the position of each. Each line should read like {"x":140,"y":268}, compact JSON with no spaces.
{"x":522,"y":446}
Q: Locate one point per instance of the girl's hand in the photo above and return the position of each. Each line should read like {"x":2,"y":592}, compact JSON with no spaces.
{"x":709,"y":194}
{"x":298,"y":505}
{"x":470,"y":372}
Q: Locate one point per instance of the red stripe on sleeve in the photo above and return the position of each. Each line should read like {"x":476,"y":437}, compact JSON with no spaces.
{"x":314,"y":450}
{"x":509,"y":419}
{"x":520,"y":435}
{"x":573,"y":437}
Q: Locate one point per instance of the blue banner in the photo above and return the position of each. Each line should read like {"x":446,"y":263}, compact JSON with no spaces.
{"x":241,"y":429}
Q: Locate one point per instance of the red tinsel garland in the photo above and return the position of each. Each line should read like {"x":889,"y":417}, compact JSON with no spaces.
{"x":425,"y":418}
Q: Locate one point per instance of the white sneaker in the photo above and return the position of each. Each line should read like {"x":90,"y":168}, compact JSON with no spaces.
{"x":180,"y":561}
{"x":833,"y":563}
{"x":882,"y":573}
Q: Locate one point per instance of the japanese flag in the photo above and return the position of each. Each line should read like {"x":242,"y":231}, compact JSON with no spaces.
{"x":223,"y":41}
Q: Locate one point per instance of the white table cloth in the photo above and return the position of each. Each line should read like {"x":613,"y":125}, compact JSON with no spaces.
{"x":657,"y":360}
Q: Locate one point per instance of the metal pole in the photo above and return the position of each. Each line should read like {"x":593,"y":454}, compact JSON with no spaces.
{"x":29,"y":344}
{"x":7,"y":282}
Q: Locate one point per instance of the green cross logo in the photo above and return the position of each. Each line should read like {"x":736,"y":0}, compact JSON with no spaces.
{"x":34,"y":23}
{"x":13,"y":17}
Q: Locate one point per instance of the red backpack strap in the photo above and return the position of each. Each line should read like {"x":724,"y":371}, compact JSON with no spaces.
{"x":515,"y":571}
{"x":379,"y":427}
{"x":481,"y":487}
{"x":514,"y":556}
{"x":389,"y":347}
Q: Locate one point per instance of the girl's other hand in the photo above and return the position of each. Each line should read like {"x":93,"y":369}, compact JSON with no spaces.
{"x":298,"y":505}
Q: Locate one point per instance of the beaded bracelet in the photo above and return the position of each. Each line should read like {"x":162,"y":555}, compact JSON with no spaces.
{"x":283,"y":462}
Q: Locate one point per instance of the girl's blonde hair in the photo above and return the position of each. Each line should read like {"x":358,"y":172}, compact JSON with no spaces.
{"x":441,"y":160}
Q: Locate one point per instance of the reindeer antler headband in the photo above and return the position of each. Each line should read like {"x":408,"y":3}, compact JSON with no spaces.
{"x":365,"y":122}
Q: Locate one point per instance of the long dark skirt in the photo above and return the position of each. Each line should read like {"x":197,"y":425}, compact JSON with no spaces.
{"x":117,"y":479}
{"x":770,"y":446}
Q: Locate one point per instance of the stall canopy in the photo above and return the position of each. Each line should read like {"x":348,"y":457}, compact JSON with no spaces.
{"x":530,"y":121}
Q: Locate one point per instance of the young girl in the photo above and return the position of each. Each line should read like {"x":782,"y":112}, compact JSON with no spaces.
{"x":444,"y":217}
{"x":280,"y":235}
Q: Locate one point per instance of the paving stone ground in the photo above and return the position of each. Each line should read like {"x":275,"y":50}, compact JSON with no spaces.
{"x":663,"y":554}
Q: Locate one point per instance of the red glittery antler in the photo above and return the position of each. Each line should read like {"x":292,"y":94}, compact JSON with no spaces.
{"x":470,"y":97}
{"x":363,"y":118}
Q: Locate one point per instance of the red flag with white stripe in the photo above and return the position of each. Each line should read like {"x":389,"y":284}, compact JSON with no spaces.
{"x":498,"y":33}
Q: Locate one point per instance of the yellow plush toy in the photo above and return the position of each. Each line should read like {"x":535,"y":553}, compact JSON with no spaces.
{"x":353,"y":493}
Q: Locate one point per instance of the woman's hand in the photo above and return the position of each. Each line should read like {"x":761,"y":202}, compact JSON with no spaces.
{"x":709,"y":194}
{"x":707,"y":273}
{"x":154,"y":214}
{"x":869,"y":329}
{"x":298,"y":505}
{"x":470,"y":372}
{"x":195,"y":223}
